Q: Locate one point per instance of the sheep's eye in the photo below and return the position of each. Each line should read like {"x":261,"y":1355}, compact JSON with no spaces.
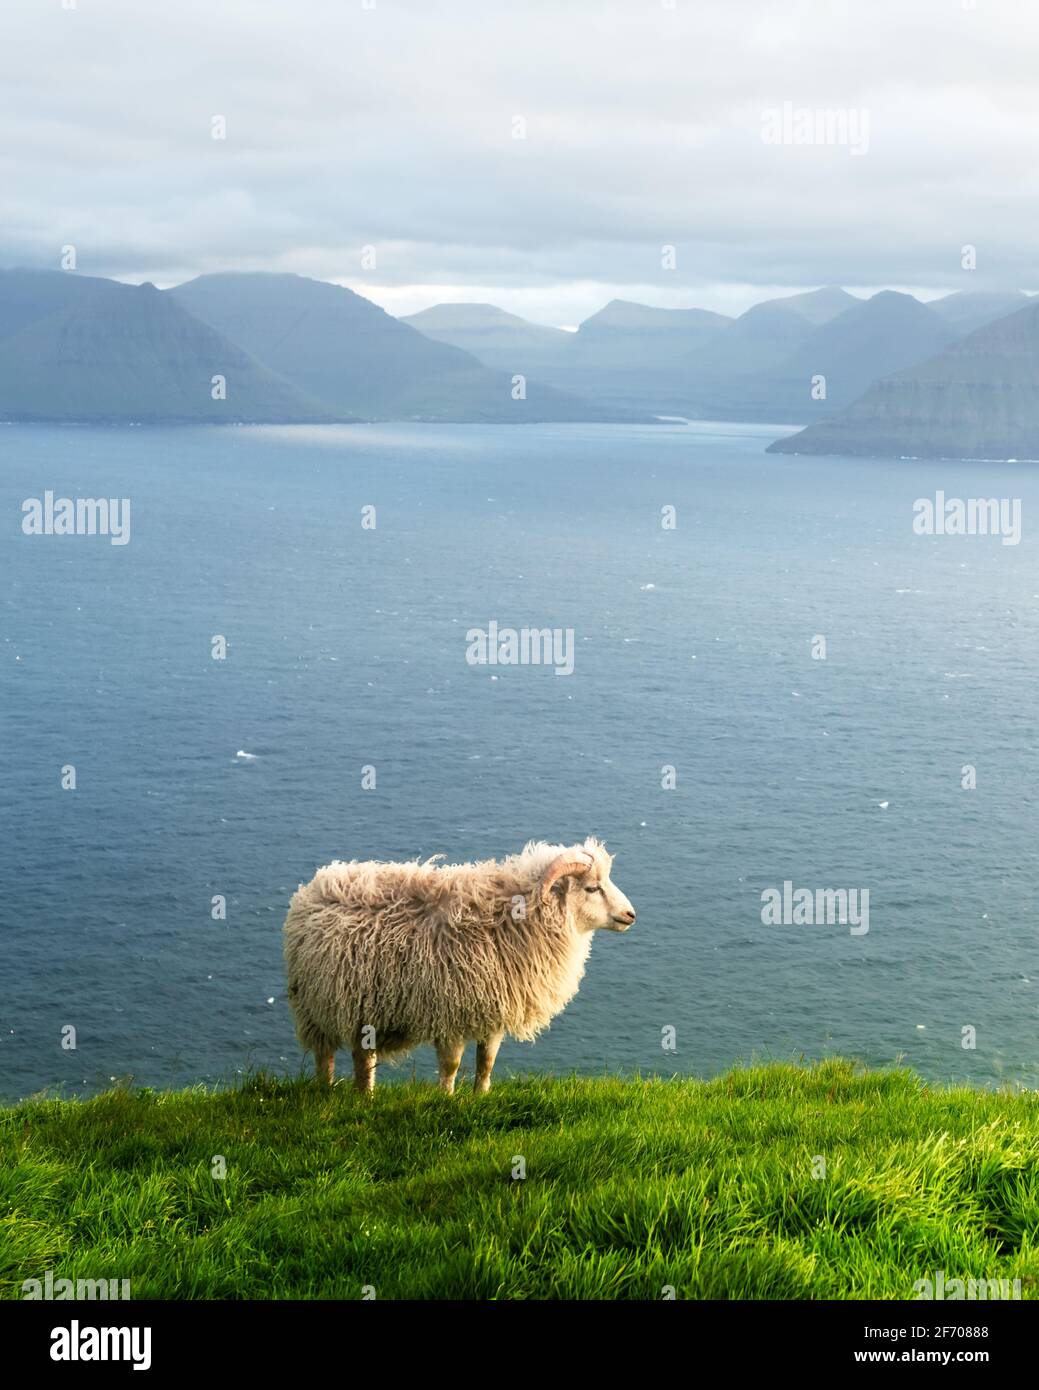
{"x":596,"y":889}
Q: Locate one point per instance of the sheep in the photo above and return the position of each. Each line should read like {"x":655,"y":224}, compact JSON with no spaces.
{"x":385,"y":956}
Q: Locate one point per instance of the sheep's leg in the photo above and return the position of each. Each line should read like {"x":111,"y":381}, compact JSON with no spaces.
{"x":324,"y":1065}
{"x":364,"y":1069}
{"x":486,"y":1053}
{"x":449,"y":1057}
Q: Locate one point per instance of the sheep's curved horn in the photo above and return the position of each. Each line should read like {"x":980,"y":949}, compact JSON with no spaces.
{"x":561,"y":866}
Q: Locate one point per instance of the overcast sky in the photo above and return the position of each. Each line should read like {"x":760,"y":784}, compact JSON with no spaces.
{"x":393,"y":127}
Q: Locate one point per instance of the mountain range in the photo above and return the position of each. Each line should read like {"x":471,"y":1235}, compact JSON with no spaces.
{"x":242,"y":348}
{"x":884,"y":374}
{"x":765,"y":365}
{"x":347,"y":352}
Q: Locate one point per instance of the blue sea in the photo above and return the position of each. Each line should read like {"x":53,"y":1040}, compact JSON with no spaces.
{"x":346,"y":649}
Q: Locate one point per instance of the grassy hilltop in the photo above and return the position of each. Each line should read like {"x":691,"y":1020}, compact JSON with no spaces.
{"x":630,"y":1186}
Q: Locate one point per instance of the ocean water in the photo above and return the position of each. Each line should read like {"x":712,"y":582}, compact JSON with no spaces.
{"x":346,"y":649}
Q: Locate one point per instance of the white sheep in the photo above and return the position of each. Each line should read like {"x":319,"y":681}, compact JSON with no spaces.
{"x":384,"y":956}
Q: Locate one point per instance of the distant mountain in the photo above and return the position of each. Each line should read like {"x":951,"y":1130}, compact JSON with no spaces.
{"x":626,"y":356}
{"x":696,"y":363}
{"x":349,"y":353}
{"x":876,"y":337}
{"x":733,"y":376}
{"x":767,"y":364}
{"x":622,"y":317}
{"x":497,"y":339}
{"x":90,"y":350}
{"x":967,"y":310}
{"x":818,"y":306}
{"x":762,"y":337}
{"x":979,"y":398}
{"x":636,"y":354}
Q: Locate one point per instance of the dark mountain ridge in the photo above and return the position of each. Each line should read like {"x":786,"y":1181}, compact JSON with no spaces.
{"x":979,"y":398}
{"x":91,"y":350}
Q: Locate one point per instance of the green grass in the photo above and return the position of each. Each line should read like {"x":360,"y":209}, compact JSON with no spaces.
{"x":630,"y":1186}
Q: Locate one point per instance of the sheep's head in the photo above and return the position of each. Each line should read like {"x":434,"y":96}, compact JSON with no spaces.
{"x":582,"y":876}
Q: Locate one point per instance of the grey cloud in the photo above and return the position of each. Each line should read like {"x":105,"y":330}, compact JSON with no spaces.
{"x":392,"y":127}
